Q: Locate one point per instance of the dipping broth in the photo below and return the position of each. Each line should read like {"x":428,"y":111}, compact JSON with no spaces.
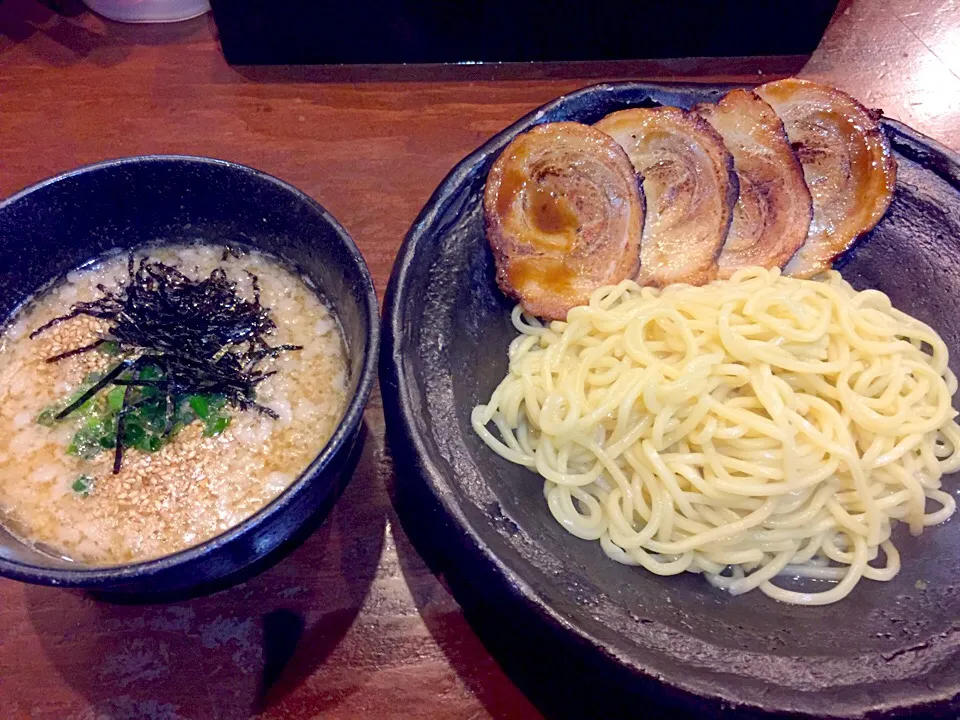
{"x":218,"y":465}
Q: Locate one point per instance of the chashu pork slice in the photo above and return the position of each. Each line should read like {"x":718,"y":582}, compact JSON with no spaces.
{"x":847,"y":163}
{"x":690,"y":187}
{"x":773,"y":211}
{"x":564,"y":212}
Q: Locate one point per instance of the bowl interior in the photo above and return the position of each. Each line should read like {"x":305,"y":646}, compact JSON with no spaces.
{"x":891,"y":643}
{"x":60,"y":224}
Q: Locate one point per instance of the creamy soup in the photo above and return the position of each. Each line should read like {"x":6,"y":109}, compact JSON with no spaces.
{"x":191,"y":466}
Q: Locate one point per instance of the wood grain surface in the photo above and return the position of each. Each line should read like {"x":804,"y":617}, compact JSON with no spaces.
{"x":353,"y":623}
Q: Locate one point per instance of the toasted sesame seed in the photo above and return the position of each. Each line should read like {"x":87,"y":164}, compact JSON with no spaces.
{"x":192,"y":488}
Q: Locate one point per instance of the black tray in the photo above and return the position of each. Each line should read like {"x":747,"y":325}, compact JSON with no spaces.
{"x":442,"y":31}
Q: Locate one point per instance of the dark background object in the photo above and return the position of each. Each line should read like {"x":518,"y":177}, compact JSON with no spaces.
{"x":61,"y":223}
{"x":890,"y":649}
{"x":442,"y":31}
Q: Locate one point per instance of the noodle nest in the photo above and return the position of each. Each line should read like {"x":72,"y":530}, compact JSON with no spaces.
{"x":752,"y":428}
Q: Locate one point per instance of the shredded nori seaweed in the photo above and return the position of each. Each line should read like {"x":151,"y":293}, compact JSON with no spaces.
{"x":204,"y":338}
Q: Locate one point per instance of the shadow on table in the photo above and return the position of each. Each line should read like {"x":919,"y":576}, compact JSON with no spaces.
{"x":552,"y":670}
{"x":225,"y":655}
{"x":678,"y":69}
{"x":449,"y":628}
{"x":61,"y":32}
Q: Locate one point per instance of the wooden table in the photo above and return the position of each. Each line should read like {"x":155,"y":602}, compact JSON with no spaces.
{"x":353,"y":623}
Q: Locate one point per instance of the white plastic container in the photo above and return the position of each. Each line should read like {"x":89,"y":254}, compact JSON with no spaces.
{"x":149,"y":11}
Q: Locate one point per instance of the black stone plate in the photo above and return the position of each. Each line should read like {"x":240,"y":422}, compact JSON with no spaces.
{"x":889,"y":649}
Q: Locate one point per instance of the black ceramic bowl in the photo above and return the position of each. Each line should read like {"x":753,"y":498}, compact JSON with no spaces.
{"x":889,"y":649}
{"x":61,"y":223}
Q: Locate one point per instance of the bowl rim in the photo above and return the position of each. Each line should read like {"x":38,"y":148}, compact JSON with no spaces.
{"x":397,"y":380}
{"x":93,"y":576}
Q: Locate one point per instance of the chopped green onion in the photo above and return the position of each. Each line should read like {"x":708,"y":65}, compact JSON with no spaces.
{"x":115,"y":399}
{"x":216,"y":425}
{"x":133,"y":434}
{"x":200,"y":405}
{"x":151,"y":372}
{"x":82,"y":485}
{"x":145,"y":420}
